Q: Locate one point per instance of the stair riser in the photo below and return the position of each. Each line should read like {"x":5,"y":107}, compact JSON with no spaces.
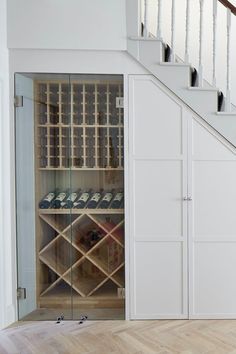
{"x":150,"y":53}
{"x":225,"y":125}
{"x":203,"y":102}
{"x":174,"y":77}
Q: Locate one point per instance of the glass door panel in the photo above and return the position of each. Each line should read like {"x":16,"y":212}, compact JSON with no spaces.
{"x":98,"y":232}
{"x":45,"y":256}
{"x":70,"y":196}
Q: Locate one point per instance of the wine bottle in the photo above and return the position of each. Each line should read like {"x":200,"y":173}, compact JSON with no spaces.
{"x":45,"y":203}
{"x":82,"y":200}
{"x":93,"y":203}
{"x":106,"y":199}
{"x":58,"y":200}
{"x":117,"y":201}
{"x":68,"y":203}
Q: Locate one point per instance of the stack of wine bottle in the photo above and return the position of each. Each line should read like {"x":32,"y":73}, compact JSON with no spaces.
{"x":83,"y":199}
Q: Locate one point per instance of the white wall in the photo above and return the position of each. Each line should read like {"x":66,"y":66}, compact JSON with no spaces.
{"x":7,"y":268}
{"x":67,"y":24}
{"x":73,"y":61}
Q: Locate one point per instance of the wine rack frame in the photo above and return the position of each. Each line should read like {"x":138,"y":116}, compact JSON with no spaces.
{"x":62,"y":113}
{"x":62,"y":136}
{"x":80,"y":253}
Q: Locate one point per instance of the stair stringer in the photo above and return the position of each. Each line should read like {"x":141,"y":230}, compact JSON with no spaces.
{"x":149,"y":53}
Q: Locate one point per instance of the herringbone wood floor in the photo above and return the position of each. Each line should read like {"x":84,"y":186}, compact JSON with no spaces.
{"x":123,"y":337}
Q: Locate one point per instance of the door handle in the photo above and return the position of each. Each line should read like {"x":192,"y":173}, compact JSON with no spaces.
{"x":187,"y":199}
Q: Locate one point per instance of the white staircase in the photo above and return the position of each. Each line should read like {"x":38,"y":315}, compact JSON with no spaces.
{"x":175,"y":74}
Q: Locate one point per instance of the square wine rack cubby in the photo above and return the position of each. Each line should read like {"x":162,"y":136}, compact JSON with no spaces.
{"x":79,"y":154}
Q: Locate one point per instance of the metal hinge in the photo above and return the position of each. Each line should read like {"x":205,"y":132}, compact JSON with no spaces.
{"x":119,"y":102}
{"x":21,"y":293}
{"x":121,"y":293}
{"x":18,"y":101}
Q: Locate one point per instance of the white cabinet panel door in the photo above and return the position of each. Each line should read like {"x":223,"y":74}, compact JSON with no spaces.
{"x":160,"y":290}
{"x":158,"y":202}
{"x":214,"y":279}
{"x":214,"y":188}
{"x":158,"y":184}
{"x":212,"y":235}
{"x":157,"y":131}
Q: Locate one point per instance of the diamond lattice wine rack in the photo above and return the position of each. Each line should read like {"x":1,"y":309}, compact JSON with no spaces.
{"x":79,"y":146}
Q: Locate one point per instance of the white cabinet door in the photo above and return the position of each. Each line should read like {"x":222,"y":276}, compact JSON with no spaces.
{"x":158,"y":185}
{"x":183,"y":253}
{"x":212,"y":234}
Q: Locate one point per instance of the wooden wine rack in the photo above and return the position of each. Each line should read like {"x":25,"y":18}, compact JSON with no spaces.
{"x":85,"y":268}
{"x":79,"y":125}
{"x":79,"y":129}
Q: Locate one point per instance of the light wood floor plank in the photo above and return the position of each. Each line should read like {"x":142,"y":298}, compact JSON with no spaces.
{"x":121,"y":337}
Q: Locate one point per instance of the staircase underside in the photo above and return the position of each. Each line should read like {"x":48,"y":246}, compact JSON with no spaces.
{"x":176,"y":76}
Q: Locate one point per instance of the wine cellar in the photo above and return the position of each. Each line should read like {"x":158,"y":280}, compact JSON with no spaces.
{"x":79,"y":167}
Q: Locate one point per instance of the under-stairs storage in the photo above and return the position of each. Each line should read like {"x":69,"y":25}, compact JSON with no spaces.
{"x":183,"y":245}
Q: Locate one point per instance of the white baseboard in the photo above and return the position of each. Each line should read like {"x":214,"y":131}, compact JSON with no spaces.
{"x":215,"y":316}
{"x":159,"y":317}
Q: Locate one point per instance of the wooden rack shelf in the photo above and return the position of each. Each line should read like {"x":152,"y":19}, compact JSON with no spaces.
{"x":72,"y":125}
{"x":80,"y":211}
{"x":80,"y":169}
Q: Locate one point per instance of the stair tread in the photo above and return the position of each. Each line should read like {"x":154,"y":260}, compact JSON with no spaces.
{"x":196,"y":88}
{"x":169,"y":63}
{"x":135,"y":38}
{"x":226,"y":113}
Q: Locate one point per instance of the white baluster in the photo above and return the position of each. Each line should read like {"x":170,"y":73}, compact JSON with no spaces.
{"x":159,"y":19}
{"x":200,"y":68}
{"x":145,"y":18}
{"x":173,"y":31}
{"x":214,"y":41}
{"x":228,"y":101}
{"x":187,"y":31}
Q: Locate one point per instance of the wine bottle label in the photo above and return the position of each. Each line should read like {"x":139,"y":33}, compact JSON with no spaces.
{"x":96,"y":197}
{"x":118,"y":197}
{"x":61,"y":196}
{"x":72,"y":197}
{"x":84,"y":197}
{"x":107,"y":197}
{"x":49,"y":197}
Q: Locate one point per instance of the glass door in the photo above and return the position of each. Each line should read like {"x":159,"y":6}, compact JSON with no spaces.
{"x":70,"y":196}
